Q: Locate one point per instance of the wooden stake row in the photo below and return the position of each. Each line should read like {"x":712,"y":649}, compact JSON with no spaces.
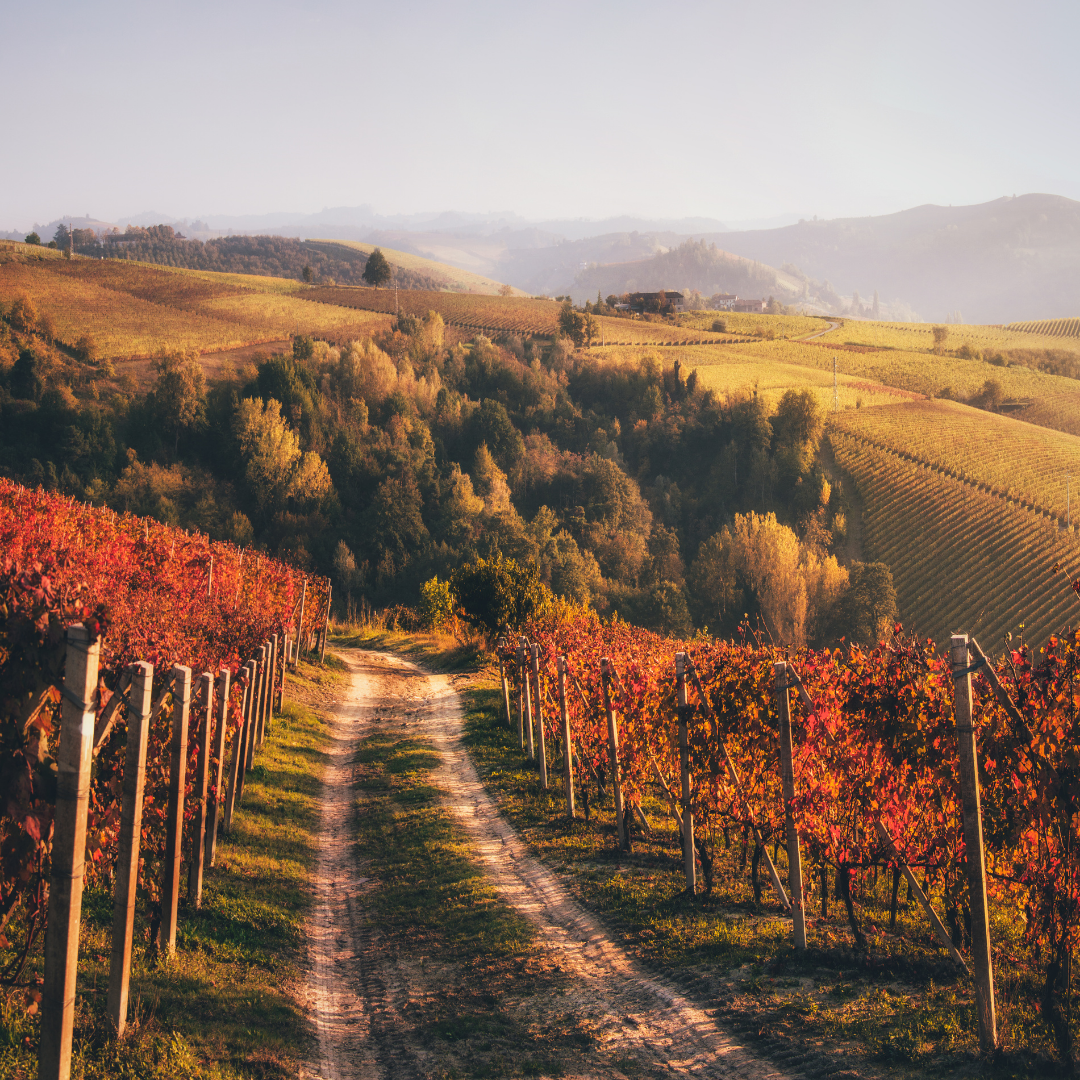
{"x":73,"y":788}
{"x":784,"y":679}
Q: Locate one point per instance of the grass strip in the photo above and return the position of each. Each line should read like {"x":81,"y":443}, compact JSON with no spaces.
{"x":224,"y":1006}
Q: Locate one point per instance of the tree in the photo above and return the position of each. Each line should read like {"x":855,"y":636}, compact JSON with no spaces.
{"x":32,"y":238}
{"x":25,"y":380}
{"x":275,"y":467}
{"x":506,"y":290}
{"x":180,"y":395}
{"x":941,"y":334}
{"x":23,"y":315}
{"x":876,"y":309}
{"x":378,"y":270}
{"x":308,"y":274}
{"x":493,"y":593}
{"x":572,"y":323}
{"x":86,"y":350}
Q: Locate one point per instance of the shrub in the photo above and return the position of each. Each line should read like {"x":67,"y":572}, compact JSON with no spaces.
{"x":436,"y":604}
{"x":494,"y":593}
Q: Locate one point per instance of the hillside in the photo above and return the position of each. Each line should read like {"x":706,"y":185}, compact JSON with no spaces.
{"x":692,"y":265}
{"x":1009,"y":259}
{"x":135,"y":311}
{"x":447,"y":277}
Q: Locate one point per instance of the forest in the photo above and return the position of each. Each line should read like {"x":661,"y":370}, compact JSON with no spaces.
{"x":268,"y":256}
{"x":390,"y":460}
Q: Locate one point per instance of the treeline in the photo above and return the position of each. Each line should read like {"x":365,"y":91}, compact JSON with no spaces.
{"x":267,"y":256}
{"x":391,"y":460}
{"x":694,"y":264}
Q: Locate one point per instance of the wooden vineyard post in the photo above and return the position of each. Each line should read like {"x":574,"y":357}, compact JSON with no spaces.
{"x":284,"y":671}
{"x":689,"y":854}
{"x":127,"y":855}
{"x":568,"y":747}
{"x":525,"y":699}
{"x":538,"y":718}
{"x":73,"y":761}
{"x":787,"y":776}
{"x":973,"y":845}
{"x":326,"y":624}
{"x":219,"y":768}
{"x":256,"y":665}
{"x":260,"y":701}
{"x":300,"y":624}
{"x":521,"y":697}
{"x":505,"y":685}
{"x":272,"y":696}
{"x":236,"y":775}
{"x":202,"y":776}
{"x":613,"y":756}
{"x":174,"y":817}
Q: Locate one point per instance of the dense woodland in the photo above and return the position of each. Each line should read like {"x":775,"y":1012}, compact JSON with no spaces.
{"x":269,"y":256}
{"x":390,"y":460}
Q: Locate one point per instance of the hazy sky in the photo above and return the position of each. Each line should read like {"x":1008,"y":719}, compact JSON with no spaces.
{"x":730,"y":110}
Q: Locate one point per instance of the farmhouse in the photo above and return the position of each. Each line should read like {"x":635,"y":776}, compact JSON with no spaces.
{"x":663,"y":301}
{"x":749,"y":305}
{"x":723,"y":301}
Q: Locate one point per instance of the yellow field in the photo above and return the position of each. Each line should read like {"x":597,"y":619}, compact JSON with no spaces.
{"x":724,"y":373}
{"x":503,"y":314}
{"x":962,"y":559}
{"x":744,"y":324}
{"x":1016,"y":460}
{"x":1049,"y":327}
{"x":919,"y":337}
{"x":463,"y":280}
{"x":134,"y":310}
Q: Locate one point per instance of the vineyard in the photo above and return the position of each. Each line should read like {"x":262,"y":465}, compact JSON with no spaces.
{"x":1049,"y":327}
{"x":133,"y":310}
{"x":919,"y":337}
{"x":848,"y":763}
{"x":959,"y":554}
{"x":505,"y":315}
{"x":106,"y":623}
{"x":1012,"y":460}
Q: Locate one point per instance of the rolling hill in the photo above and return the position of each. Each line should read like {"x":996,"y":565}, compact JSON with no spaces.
{"x":1005,"y":260}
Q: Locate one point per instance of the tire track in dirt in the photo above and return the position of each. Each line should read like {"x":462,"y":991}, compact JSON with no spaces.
{"x":356,"y":996}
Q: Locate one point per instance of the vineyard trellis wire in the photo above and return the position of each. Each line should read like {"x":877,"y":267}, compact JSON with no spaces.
{"x":103,"y":619}
{"x":877,"y":769}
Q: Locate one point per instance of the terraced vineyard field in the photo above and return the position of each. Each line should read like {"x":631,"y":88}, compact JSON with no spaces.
{"x":133,"y":310}
{"x":744,"y":324}
{"x":1049,"y":327}
{"x":962,"y":559}
{"x":919,"y":337}
{"x":1050,"y":400}
{"x":1007,"y":457}
{"x":503,"y":314}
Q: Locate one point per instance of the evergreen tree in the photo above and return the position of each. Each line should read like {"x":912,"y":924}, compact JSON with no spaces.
{"x":378,"y":270}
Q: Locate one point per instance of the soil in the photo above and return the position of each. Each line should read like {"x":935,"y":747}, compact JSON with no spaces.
{"x":575,"y":1004}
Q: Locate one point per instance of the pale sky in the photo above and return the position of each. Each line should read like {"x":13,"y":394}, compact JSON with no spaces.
{"x":728,"y":110}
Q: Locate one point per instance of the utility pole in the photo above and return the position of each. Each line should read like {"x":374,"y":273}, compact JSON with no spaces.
{"x":835,"y":391}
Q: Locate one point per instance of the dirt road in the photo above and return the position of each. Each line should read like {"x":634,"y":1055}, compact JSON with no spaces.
{"x":364,"y":995}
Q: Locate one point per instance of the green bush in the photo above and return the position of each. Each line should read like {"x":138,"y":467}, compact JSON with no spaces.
{"x":493,"y":593}
{"x":436,"y":604}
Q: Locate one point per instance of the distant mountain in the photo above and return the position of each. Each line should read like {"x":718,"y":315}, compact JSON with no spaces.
{"x":691,"y":265}
{"x":1013,"y":258}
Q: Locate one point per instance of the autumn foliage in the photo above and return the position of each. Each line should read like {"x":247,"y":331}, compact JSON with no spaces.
{"x":151,"y":593}
{"x":879,"y":744}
